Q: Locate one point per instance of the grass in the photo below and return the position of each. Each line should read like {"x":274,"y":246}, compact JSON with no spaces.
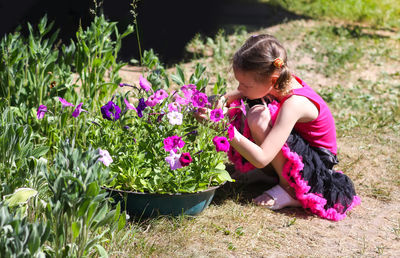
{"x":356,"y":73}
{"x":384,"y":13}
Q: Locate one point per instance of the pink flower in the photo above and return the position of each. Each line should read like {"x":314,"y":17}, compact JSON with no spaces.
{"x":173,"y":143}
{"x":105,"y":157}
{"x":78,"y":110}
{"x":216,"y":115}
{"x":174,"y":106}
{"x":231,"y":132}
{"x":144,"y":83}
{"x":173,"y":160}
{"x":65,"y":103}
{"x":161,"y":94}
{"x":242,"y":107}
{"x":188,"y":90}
{"x":199,"y":99}
{"x":182,"y":100}
{"x":221,"y":143}
{"x":185,"y":159}
{"x":152,"y":101}
{"x":129,"y":105}
{"x":42,"y":109}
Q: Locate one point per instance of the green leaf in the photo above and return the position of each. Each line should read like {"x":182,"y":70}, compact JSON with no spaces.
{"x":102,"y":251}
{"x":20,"y":196}
{"x":76,"y":228}
{"x":223,"y":176}
{"x":41,"y":151}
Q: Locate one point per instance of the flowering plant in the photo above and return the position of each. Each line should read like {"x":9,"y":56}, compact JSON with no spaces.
{"x":156,"y":144}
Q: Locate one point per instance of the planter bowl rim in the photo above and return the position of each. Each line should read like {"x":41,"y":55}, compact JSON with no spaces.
{"x":155,"y":194}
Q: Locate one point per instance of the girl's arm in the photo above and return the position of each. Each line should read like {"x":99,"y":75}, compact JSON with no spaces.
{"x":291,"y":111}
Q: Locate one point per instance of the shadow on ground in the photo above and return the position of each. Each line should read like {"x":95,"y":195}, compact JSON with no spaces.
{"x":165,"y":26}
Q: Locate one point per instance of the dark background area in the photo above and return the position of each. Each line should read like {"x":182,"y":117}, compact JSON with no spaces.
{"x":164,"y":25}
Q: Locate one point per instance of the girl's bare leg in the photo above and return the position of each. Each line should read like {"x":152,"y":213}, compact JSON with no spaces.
{"x":259,"y":118}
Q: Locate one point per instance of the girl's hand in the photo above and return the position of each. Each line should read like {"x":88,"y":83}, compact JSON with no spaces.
{"x":232,"y":96}
{"x":202,"y":114}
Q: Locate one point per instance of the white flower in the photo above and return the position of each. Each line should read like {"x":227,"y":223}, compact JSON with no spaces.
{"x":175,"y":118}
{"x":105,"y":157}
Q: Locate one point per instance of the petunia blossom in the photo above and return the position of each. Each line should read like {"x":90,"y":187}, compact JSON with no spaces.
{"x":173,"y":143}
{"x":65,"y":103}
{"x":174,"y":106}
{"x":175,"y":118}
{"x":152,"y":101}
{"x":185,"y":159}
{"x":144,"y":83}
{"x":78,"y":110}
{"x":141,"y":106}
{"x":42,"y":109}
{"x":182,"y":100}
{"x":105,"y":157}
{"x":199,"y":99}
{"x":129,"y":105}
{"x":188,"y":90}
{"x":173,"y":160}
{"x":110,"y":111}
{"x":216,"y":115}
{"x":221,"y":143}
{"x":161,"y":94}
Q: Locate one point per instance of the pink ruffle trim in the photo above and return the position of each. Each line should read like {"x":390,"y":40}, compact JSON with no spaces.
{"x":291,"y":171}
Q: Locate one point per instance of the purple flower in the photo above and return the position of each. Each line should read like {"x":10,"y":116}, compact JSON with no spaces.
{"x":173,"y":143}
{"x":121,"y":84}
{"x":78,"y":110}
{"x":216,"y":115}
{"x":110,"y":111}
{"x":141,"y":106}
{"x":152,"y":101}
{"x":221,"y":143}
{"x":175,"y":118}
{"x":199,"y":99}
{"x":42,"y":109}
{"x":144,"y":83}
{"x":185,"y":159}
{"x":65,"y":103}
{"x":161,"y":94}
{"x":173,"y":160}
{"x":105,"y":157}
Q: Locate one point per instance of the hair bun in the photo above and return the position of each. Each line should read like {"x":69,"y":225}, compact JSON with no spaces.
{"x":278,"y":62}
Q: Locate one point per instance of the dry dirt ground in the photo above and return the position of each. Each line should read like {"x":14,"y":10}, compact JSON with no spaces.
{"x":233,"y":227}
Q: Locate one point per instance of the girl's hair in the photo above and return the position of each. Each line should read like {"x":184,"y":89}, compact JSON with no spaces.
{"x":259,"y":54}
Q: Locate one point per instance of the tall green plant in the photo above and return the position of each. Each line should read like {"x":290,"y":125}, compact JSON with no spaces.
{"x":19,"y":237}
{"x":17,"y":149}
{"x":78,"y":209}
{"x":95,"y":58}
{"x":31,"y":68}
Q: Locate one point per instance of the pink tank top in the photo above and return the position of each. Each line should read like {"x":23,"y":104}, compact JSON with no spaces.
{"x":320,"y":132}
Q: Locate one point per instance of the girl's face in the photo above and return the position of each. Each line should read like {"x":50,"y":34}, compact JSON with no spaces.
{"x":252,"y":88}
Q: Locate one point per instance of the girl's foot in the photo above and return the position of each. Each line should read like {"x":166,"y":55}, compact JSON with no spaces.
{"x":276,"y":198}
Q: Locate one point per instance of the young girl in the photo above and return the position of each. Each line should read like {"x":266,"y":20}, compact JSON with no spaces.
{"x":292,"y":128}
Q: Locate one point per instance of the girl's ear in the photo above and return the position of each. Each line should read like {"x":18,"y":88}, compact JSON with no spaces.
{"x":274,"y":78}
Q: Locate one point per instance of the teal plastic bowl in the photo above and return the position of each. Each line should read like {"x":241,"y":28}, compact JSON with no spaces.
{"x":144,"y":205}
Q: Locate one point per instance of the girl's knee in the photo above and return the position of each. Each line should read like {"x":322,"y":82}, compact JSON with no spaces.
{"x":258,"y":118}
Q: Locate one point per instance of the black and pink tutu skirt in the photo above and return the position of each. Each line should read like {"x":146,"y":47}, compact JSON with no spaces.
{"x":309,"y":170}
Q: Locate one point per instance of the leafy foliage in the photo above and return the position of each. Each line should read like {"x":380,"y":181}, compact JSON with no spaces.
{"x":78,"y":207}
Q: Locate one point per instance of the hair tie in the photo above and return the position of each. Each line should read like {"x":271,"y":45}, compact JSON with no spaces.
{"x":278,"y":62}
